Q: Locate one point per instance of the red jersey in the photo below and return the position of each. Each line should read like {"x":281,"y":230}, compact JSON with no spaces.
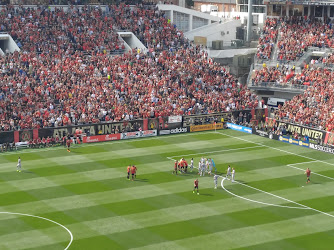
{"x":128,"y":169}
{"x":175,"y":165}
{"x":133,"y":170}
{"x":308,"y":173}
{"x":196,"y":183}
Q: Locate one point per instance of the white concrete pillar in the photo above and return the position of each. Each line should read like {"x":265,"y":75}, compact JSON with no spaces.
{"x":190,"y":22}
{"x":287,"y":10}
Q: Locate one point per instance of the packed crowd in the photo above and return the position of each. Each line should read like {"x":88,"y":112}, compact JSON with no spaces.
{"x":295,"y":35}
{"x":65,"y":75}
{"x":267,"y":39}
{"x":315,"y":106}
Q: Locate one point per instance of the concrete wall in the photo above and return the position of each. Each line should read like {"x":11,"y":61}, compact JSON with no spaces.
{"x":132,"y":41}
{"x":9,"y":43}
{"x":214,"y":31}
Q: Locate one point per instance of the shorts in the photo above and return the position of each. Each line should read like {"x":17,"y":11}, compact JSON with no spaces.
{"x":196,"y":187}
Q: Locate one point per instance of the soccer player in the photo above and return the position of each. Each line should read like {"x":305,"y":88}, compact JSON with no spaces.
{"x":200,"y":168}
{"x":175,"y":167}
{"x":233,"y":174}
{"x":191,"y":164}
{"x":133,"y":172}
{"x":215,"y":180}
{"x":18,"y":166}
{"x":128,"y":169}
{"x":196,"y":186}
{"x":228,"y":172}
{"x":210,"y":167}
{"x":308,"y":174}
{"x":214,"y":165}
{"x":185,"y":163}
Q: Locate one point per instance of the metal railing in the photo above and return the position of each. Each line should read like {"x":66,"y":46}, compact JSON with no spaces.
{"x":277,"y":85}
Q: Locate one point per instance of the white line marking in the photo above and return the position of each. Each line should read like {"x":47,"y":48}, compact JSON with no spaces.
{"x":39,"y":217}
{"x":218,"y":151}
{"x":306,"y":157}
{"x":255,"y":201}
{"x":94,"y":144}
{"x":312,"y":172}
{"x":299,"y":204}
{"x":304,"y":162}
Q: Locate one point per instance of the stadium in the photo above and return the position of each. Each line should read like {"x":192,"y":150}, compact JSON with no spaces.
{"x":183,"y":124}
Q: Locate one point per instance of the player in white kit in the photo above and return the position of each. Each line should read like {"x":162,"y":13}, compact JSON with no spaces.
{"x":191,"y":164}
{"x":233,"y":174}
{"x":210,"y":167}
{"x":215,"y":180}
{"x":228,"y":172}
{"x":200,"y":168}
{"x":18,"y":166}
{"x":203,"y":168}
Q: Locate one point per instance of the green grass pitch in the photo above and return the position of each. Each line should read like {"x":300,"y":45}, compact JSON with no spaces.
{"x":86,"y":191}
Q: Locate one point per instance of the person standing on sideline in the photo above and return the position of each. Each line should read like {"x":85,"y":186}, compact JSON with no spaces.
{"x":308,"y":175}
{"x":233,"y":174}
{"x":215,"y":180}
{"x":196,"y":186}
{"x":228,"y":172}
{"x":18,"y":166}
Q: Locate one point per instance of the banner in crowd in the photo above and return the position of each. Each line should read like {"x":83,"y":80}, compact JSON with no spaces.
{"x":173,"y":131}
{"x":94,"y":129}
{"x":326,"y":149}
{"x":191,"y":120}
{"x":197,"y":128}
{"x":239,"y":128}
{"x":311,"y":133}
{"x":139,"y":134}
{"x":101,"y":138}
{"x":293,"y":141}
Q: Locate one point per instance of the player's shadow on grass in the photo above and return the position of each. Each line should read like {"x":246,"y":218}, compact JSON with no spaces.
{"x":27,"y":172}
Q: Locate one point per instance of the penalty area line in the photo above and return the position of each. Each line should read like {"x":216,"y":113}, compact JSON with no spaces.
{"x":282,"y":198}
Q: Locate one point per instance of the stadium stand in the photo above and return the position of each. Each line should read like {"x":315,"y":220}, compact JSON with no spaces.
{"x":67,"y":73}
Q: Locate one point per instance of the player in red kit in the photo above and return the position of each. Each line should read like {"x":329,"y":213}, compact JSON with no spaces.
{"x":196,"y":186}
{"x":175,"y":167}
{"x":308,"y":174}
{"x":129,"y":168}
{"x":133,"y":172}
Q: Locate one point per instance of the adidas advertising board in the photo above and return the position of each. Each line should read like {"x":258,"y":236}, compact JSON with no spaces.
{"x":173,"y":131}
{"x":178,"y":130}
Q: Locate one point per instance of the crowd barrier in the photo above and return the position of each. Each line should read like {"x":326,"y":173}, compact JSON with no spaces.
{"x":109,"y":131}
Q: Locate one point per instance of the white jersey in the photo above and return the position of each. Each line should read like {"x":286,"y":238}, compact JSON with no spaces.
{"x":233,"y":174}
{"x":215,"y":177}
{"x":19,"y":162}
{"x":191,"y":163}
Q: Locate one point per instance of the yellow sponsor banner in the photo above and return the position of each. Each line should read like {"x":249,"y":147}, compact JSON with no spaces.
{"x":197,"y":128}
